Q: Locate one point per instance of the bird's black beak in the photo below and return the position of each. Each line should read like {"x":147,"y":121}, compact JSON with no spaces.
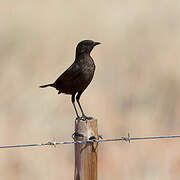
{"x":96,"y":43}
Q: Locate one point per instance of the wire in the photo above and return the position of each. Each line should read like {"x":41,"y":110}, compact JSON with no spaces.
{"x":127,"y":139}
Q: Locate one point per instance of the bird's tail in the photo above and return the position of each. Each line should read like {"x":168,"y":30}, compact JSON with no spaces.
{"x":46,"y":85}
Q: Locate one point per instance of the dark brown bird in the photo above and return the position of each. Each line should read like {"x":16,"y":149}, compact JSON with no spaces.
{"x":78,"y":76}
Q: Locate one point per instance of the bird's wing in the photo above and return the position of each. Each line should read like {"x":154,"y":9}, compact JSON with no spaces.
{"x":71,"y":73}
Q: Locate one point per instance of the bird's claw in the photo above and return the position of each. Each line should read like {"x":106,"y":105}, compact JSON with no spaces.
{"x":78,"y":118}
{"x":84,"y":118}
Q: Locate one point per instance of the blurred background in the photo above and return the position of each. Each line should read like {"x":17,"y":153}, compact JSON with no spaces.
{"x":135,"y":88}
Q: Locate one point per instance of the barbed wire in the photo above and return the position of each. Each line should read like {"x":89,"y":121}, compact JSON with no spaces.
{"x":126,"y":139}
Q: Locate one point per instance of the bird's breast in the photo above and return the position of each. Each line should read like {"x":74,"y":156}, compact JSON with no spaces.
{"x":88,"y":69}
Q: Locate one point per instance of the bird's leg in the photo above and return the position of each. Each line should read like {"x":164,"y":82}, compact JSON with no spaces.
{"x":73,"y":102}
{"x":84,"y":117}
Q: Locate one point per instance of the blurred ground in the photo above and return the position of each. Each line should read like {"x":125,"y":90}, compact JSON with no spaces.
{"x":135,"y":88}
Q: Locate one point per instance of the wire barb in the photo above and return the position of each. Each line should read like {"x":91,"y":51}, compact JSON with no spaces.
{"x":99,"y":140}
{"x":127,"y":139}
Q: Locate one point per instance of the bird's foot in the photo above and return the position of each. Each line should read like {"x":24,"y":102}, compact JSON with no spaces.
{"x":85,"y":118}
{"x":78,"y":118}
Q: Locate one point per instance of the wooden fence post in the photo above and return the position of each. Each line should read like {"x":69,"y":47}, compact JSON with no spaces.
{"x":86,"y":154}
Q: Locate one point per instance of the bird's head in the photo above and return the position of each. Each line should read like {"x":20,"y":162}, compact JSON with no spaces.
{"x":85,"y":46}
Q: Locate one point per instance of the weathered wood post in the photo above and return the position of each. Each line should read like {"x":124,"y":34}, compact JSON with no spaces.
{"x":86,"y":154}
